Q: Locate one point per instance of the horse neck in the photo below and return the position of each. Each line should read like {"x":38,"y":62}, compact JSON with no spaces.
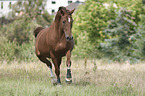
{"x":58,"y":31}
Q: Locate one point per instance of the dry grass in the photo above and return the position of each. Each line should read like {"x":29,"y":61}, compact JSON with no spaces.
{"x":108,"y":79}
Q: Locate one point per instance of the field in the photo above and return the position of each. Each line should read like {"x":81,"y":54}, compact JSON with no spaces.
{"x":93,"y":78}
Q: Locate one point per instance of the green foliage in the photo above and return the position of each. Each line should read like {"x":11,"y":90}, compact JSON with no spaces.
{"x":102,"y":28}
{"x":8,"y":50}
{"x":119,"y":45}
{"x":139,"y":44}
{"x":27,"y":15}
{"x":18,"y":38}
{"x":83,"y":48}
{"x":20,"y":33}
{"x":112,"y":27}
{"x":92,"y":18}
{"x":12,"y":51}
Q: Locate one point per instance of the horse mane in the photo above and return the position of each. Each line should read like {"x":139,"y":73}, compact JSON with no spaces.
{"x":61,"y":11}
{"x":57,"y":17}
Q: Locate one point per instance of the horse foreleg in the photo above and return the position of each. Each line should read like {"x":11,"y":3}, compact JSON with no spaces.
{"x":68,"y":64}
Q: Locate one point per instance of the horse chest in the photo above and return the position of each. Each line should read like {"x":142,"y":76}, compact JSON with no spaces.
{"x":61,"y":47}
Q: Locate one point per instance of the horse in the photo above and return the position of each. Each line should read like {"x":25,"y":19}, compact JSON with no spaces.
{"x":55,"y":42}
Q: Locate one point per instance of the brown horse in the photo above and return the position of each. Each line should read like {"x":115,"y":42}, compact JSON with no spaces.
{"x":55,"y":42}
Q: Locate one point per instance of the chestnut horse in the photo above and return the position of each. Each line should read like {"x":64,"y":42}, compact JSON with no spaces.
{"x":55,"y":42}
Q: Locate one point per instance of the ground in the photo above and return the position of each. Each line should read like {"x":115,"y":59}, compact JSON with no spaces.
{"x":93,"y":78}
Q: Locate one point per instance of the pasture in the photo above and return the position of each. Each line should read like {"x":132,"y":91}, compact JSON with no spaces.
{"x":95,"y":78}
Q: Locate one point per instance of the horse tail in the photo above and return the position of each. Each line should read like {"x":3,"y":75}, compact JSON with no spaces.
{"x":37,"y":30}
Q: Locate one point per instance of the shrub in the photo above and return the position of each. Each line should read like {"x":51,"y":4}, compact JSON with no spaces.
{"x":17,"y":36}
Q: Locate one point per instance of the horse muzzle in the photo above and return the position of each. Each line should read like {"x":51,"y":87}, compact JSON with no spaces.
{"x":69,"y":38}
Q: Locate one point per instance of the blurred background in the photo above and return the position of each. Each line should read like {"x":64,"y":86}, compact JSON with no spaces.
{"x":113,"y":30}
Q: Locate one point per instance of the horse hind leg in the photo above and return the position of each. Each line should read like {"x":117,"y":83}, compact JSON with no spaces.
{"x":53,"y":79}
{"x":48,"y":63}
{"x":57,"y":62}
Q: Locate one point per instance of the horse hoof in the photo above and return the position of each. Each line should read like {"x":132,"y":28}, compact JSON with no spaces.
{"x":59,"y":85}
{"x":68,"y":80}
{"x":54,"y":81}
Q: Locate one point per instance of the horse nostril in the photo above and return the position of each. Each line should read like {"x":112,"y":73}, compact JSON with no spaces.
{"x":67,"y":38}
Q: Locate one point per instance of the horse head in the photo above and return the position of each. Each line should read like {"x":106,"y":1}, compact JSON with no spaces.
{"x":66,"y":22}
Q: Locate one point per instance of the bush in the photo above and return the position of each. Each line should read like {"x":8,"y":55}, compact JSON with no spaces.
{"x":20,"y":33}
{"x":17,"y":36}
{"x":111,"y":27}
{"x":83,"y":48}
{"x":10,"y":51}
{"x":93,"y":18}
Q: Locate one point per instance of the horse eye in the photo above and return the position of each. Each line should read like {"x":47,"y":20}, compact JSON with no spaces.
{"x":63,"y":22}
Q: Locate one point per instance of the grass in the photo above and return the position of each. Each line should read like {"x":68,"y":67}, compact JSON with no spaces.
{"x":95,"y":78}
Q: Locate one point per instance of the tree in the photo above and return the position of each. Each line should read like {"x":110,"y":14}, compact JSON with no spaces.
{"x":92,"y":18}
{"x":121,"y":35}
{"x":31,"y":9}
{"x":16,"y":37}
{"x":26,"y":16}
{"x":95,"y":16}
{"x":139,"y":44}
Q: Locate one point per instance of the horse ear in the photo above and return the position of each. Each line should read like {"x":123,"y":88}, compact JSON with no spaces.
{"x":61,"y":10}
{"x":72,"y":11}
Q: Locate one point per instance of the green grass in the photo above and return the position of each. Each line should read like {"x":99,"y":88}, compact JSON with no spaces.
{"x":33,"y":79}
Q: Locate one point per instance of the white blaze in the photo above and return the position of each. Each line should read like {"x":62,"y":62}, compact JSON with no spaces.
{"x":68,"y":19}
